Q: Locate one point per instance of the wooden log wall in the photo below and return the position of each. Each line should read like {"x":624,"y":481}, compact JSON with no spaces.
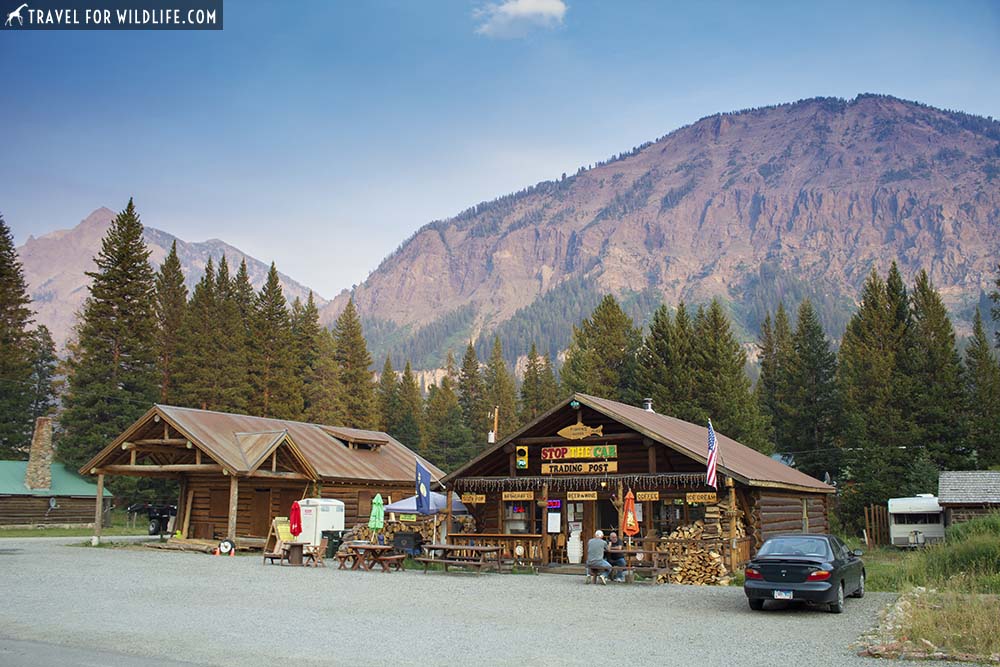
{"x":357,"y":497}
{"x":24,"y":510}
{"x":209,"y":521}
{"x":782,"y":512}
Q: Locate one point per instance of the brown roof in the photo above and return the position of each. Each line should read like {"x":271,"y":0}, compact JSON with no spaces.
{"x":240,"y":442}
{"x":739,"y":461}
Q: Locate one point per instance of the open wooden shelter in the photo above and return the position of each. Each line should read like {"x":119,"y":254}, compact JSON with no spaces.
{"x":570,"y":468}
{"x":238,"y":472}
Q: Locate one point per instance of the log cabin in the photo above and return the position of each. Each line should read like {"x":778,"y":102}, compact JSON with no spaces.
{"x":39,"y":492}
{"x":570,"y":468}
{"x":237,"y":472}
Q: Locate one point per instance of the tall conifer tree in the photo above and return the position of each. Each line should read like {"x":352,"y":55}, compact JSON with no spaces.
{"x":408,"y":424}
{"x":276,"y":387}
{"x":15,"y":351}
{"x":171,"y":308}
{"x":354,"y":364}
{"x":533,"y":401}
{"x":983,"y":397}
{"x":43,"y":383}
{"x":112,"y":378}
{"x":773,"y":386}
{"x":472,"y":397}
{"x":602,"y":355}
{"x":323,"y":399}
{"x":387,"y":396}
{"x":501,"y":392}
{"x":448,"y":441}
{"x":667,"y":371}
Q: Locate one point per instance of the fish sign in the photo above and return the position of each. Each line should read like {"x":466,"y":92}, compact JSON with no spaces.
{"x":580,"y":431}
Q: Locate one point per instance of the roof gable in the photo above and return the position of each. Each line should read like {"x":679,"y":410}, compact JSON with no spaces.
{"x":969,"y":487}
{"x":737,"y":460}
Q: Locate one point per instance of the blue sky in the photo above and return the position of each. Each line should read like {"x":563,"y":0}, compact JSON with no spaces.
{"x":321,"y":135}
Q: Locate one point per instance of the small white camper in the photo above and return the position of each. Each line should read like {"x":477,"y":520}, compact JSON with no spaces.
{"x":915,"y":521}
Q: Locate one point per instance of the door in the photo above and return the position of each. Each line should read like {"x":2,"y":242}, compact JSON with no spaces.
{"x":260,"y":520}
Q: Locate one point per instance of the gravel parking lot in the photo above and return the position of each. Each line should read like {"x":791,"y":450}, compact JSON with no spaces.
{"x":96,"y":604}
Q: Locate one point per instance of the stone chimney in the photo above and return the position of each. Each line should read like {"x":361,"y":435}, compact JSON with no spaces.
{"x":39,"y":473}
{"x":647,"y":404}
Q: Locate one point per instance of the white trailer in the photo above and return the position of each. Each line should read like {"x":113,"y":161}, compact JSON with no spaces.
{"x":915,"y":521}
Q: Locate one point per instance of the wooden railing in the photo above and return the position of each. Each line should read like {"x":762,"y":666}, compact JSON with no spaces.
{"x":531,"y":545}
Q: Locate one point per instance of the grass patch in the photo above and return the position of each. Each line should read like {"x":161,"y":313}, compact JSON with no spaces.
{"x":954,"y":623}
{"x":119,"y":526}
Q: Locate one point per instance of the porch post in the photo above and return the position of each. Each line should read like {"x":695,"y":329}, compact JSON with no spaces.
{"x":98,"y":510}
{"x":732,"y":523}
{"x":233,"y":498}
{"x":545,"y":524}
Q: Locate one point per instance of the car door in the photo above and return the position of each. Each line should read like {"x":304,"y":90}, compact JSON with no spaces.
{"x":849,"y":564}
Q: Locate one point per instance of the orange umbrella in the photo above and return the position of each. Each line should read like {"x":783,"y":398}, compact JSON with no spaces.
{"x":631,"y":526}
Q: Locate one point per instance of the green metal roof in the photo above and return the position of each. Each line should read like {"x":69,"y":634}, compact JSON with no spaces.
{"x":64,"y":482}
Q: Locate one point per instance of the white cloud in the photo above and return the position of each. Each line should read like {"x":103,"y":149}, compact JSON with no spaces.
{"x":514,"y":18}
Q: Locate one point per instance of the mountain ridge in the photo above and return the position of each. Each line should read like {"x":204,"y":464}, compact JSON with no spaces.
{"x":55,"y":264}
{"x":809,"y":195}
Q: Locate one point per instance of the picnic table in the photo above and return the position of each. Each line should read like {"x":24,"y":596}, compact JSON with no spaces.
{"x":637,"y":557}
{"x":365,"y":556}
{"x":462,"y":555}
{"x":293,"y":551}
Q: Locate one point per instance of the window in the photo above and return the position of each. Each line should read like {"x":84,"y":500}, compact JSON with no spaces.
{"x":916,"y":519}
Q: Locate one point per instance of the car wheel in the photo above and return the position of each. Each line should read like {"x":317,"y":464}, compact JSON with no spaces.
{"x":860,"y":593}
{"x":755,"y":603}
{"x":154,"y":526}
{"x":838,"y":606}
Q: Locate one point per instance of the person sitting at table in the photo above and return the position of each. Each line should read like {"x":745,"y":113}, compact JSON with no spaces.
{"x":617,"y":560}
{"x":596,"y":548}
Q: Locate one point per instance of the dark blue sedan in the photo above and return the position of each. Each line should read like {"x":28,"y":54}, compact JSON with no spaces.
{"x":810,"y":568}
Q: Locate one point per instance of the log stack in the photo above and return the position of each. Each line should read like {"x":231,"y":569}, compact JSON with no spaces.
{"x":695,"y":550}
{"x":425,"y":527}
{"x":699,"y":566}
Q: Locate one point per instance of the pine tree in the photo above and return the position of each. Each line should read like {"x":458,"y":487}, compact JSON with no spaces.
{"x":112,"y":378}
{"x":387,"y":396}
{"x":354,"y":364}
{"x":602,"y":355}
{"x":276,"y":387}
{"x":42,"y":383}
{"x":549,"y":386}
{"x":15,"y":351}
{"x":667,"y":370}
{"x":773,"y":386}
{"x":322,"y":396}
{"x":874,"y":432}
{"x":447,"y":440}
{"x":171,"y":307}
{"x":811,"y":417}
{"x":725,"y":394}
{"x":244,"y":296}
{"x":307,"y":334}
{"x":532,"y":402}
{"x":983,"y":397}
{"x":501,"y":392}
{"x":936,"y":381}
{"x":196,"y":372}
{"x":408,"y":424}
{"x":472,"y":397}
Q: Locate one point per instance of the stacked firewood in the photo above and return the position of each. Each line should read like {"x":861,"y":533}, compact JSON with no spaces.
{"x":694,"y":550}
{"x":425,"y":528}
{"x":699,"y":566}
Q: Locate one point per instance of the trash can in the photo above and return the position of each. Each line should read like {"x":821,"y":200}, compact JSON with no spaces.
{"x":333,"y":540}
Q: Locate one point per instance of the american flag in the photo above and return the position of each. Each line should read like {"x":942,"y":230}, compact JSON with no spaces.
{"x":713,"y":453}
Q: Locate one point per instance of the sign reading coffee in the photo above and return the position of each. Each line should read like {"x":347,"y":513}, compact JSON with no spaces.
{"x":592,"y":452}
{"x":579,"y":468}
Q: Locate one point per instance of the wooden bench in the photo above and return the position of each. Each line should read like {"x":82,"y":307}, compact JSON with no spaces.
{"x":477,"y":564}
{"x":343,"y":557}
{"x":395,"y":561}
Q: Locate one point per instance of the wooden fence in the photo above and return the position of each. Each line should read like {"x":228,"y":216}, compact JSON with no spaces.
{"x":877,"y":526}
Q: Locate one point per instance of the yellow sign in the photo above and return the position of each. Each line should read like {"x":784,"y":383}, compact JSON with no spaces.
{"x":579,"y":431}
{"x":581,"y":495}
{"x":579,"y":468}
{"x":518,"y":495}
{"x":701,"y":498}
{"x":644,"y":496}
{"x":407,"y":517}
{"x":473,"y":498}
{"x":592,"y":452}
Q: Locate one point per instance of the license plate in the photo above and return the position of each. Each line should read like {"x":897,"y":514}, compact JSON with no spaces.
{"x":782,"y":595}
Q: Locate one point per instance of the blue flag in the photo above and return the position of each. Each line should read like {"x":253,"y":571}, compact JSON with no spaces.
{"x":423,"y":490}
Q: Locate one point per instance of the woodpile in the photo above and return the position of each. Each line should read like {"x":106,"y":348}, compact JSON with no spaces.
{"x":699,"y":566}
{"x":695,"y":550}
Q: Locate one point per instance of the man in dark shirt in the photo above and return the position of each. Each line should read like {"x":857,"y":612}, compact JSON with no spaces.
{"x":617,"y":560}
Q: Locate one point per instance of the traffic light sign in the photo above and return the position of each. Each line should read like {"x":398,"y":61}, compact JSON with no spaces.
{"x":522,"y":457}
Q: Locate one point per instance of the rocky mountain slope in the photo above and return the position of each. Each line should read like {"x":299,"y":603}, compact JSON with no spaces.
{"x":785,"y":202}
{"x":54,"y":266}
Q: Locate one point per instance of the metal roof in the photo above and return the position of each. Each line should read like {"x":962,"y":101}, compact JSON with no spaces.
{"x":915,"y":505}
{"x":65,"y":482}
{"x":739,"y":461}
{"x":239,"y":443}
{"x":969,"y":487}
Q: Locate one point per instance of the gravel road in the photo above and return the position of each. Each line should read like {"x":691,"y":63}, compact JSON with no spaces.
{"x":94,"y":604}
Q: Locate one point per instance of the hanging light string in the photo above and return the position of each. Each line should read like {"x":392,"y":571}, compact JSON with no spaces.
{"x":640,"y":481}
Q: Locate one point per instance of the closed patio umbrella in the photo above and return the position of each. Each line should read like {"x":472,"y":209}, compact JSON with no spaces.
{"x":631,"y":524}
{"x":377,"y":518}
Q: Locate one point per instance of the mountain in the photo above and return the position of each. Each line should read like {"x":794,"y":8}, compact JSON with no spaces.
{"x":784,"y":202}
{"x":54,"y":266}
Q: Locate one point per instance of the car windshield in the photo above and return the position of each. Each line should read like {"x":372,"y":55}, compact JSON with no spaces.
{"x":795,"y":546}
